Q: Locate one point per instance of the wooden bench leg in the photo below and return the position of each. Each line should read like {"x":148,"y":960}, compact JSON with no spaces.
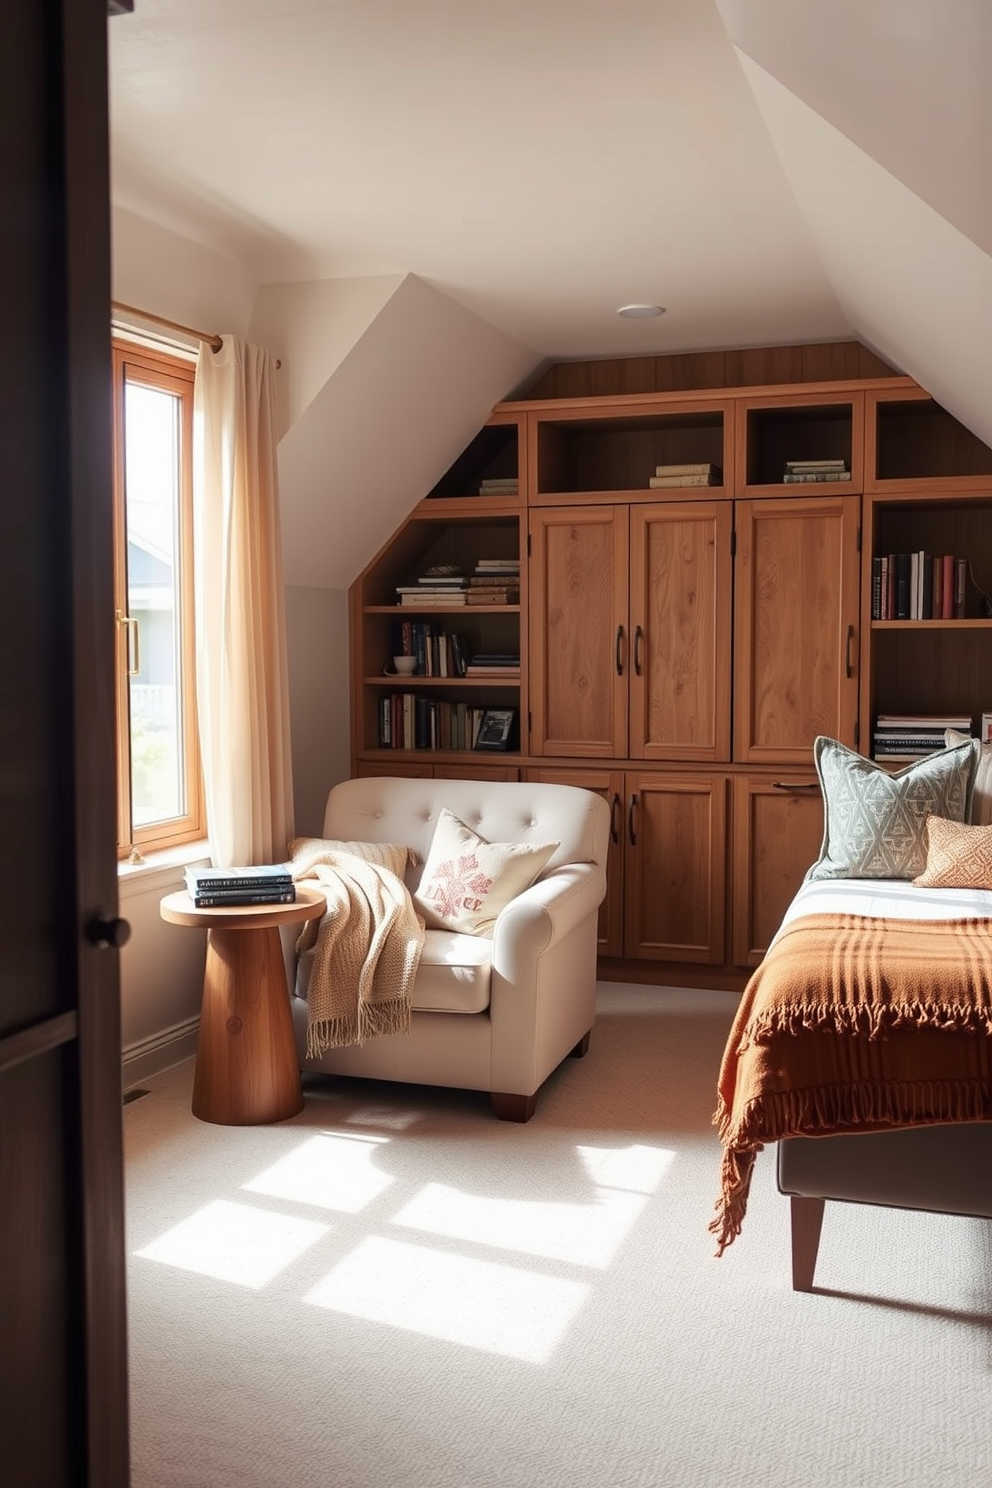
{"x":514,"y":1107}
{"x":807,"y":1221}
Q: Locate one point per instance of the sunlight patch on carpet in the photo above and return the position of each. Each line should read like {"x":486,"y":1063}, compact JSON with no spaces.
{"x":235,"y":1242}
{"x":586,"y":1233}
{"x":329,"y":1171}
{"x":638,"y":1169}
{"x":481,"y":1304}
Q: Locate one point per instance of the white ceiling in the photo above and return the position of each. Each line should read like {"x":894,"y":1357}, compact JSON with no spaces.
{"x":770,"y":171}
{"x":544,"y":161}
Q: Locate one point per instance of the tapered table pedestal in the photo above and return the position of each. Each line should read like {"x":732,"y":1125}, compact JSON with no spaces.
{"x":247,"y":1070}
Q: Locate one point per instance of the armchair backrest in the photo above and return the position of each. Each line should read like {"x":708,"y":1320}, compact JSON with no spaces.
{"x":405,"y":810}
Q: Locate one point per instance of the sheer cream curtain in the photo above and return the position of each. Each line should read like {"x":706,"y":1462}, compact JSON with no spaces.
{"x":242,"y":681}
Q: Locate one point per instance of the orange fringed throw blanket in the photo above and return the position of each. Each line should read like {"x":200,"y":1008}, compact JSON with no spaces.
{"x":854,"y":1024}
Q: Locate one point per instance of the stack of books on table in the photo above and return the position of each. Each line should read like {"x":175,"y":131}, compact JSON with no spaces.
{"x":498,"y":486}
{"x":441,"y":584}
{"x":900,"y":738}
{"x":798,"y":471}
{"x":700,"y":473}
{"x":496,"y":581}
{"x":269,"y":883}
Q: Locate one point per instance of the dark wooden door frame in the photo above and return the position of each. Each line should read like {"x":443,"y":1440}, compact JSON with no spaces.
{"x":63,"y":1390}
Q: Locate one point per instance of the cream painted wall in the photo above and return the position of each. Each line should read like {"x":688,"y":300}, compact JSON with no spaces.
{"x":316,"y":621}
{"x":161,"y":977}
{"x":155,"y":269}
{"x":312,"y":326}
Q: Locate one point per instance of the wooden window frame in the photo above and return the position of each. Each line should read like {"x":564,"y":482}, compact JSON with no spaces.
{"x":172,"y":374}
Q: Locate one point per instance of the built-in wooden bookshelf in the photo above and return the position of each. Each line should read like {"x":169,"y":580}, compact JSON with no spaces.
{"x":680,"y":648}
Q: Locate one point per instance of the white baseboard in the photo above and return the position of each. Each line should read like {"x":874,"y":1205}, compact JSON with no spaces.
{"x":153,"y":1055}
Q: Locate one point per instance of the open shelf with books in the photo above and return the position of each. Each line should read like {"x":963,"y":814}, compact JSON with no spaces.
{"x":489,"y":471}
{"x":645,"y":450}
{"x":446,"y":591}
{"x":798,"y":442}
{"x":924,"y":664}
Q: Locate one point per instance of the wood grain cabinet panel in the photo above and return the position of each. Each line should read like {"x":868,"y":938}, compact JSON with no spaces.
{"x":674,"y":867}
{"x":796,"y":626}
{"x":777,"y":833}
{"x":579,"y":635}
{"x":680,"y":623}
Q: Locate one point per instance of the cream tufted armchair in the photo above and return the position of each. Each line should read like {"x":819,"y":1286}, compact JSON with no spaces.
{"x":493,"y":1014}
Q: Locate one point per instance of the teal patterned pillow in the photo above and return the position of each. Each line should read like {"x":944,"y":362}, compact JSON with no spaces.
{"x":874,"y":822}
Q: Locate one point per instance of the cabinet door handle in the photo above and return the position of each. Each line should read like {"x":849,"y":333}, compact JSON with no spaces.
{"x":619,"y":650}
{"x":848,"y":664}
{"x":638,"y":638}
{"x":795,"y":785}
{"x":614,"y":818}
{"x":632,"y":835}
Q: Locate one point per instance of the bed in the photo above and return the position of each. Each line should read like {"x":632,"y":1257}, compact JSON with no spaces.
{"x":870,"y":1016}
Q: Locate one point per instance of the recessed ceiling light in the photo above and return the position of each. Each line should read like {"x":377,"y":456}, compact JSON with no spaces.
{"x":640,"y":312}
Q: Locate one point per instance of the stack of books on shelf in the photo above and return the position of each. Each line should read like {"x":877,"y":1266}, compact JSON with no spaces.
{"x":900,"y":738}
{"x":409,"y":720}
{"x":496,"y":581}
{"x":702,"y":473}
{"x":918,"y":586}
{"x":494,"y":664}
{"x":799,"y":471}
{"x":212,"y":888}
{"x":440,"y":584}
{"x":498,"y":486}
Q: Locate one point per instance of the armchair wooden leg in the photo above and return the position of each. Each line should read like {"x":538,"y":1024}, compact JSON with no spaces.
{"x":514,"y":1107}
{"x":582,"y":1047}
{"x":807,"y":1221}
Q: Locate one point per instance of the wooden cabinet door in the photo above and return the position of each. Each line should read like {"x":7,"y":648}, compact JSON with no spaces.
{"x":680,"y":617}
{"x":777,"y":833}
{"x":580,"y":650}
{"x":609,"y":785}
{"x":675,"y":867}
{"x":796,"y":588}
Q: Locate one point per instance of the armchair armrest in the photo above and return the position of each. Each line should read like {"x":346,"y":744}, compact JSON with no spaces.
{"x":546,"y":912}
{"x":543,"y":986}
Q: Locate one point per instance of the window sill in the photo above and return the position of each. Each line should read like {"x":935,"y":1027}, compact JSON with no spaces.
{"x":161,"y":870}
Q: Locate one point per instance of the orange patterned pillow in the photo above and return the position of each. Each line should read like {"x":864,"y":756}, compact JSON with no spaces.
{"x":958,"y":856}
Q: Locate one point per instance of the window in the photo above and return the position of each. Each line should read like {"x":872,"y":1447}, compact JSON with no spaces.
{"x":160,"y":794}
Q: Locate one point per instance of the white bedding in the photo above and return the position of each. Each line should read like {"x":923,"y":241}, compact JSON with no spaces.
{"x":886,"y":898}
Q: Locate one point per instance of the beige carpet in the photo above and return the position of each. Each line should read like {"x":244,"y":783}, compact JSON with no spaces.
{"x":394,"y":1290}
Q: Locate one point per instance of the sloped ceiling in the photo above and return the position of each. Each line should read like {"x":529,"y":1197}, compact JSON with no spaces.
{"x":502,"y":178}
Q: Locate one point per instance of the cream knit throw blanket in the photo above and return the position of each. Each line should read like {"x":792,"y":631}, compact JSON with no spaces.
{"x":365,"y":949}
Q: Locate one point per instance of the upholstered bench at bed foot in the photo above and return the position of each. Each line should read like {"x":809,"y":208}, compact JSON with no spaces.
{"x":943,"y":1169}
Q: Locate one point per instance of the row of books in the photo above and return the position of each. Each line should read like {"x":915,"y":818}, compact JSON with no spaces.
{"x":408,"y":720}
{"x":918,"y":586}
{"x":700,"y":473}
{"x":268,"y":883}
{"x":439,"y":653}
{"x":900,"y":738}
{"x":798,"y":472}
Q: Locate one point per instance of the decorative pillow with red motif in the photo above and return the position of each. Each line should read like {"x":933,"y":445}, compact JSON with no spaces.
{"x":467,"y":880}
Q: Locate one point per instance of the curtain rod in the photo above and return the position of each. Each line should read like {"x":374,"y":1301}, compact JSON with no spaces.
{"x":214,"y":341}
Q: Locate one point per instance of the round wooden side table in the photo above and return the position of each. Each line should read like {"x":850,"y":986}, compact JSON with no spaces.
{"x":247,"y":1070}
